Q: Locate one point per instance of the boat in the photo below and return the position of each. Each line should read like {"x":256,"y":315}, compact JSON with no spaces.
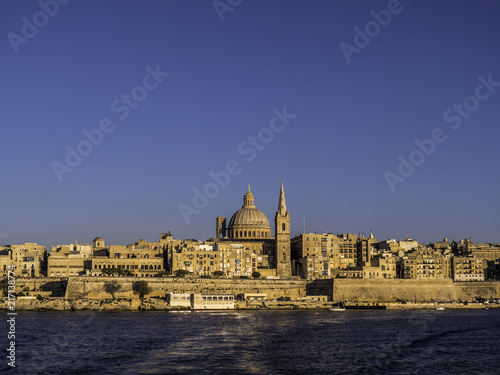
{"x":337,"y":308}
{"x":440,"y":308}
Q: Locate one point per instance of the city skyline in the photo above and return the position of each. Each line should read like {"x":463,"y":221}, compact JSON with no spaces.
{"x":212,"y":234}
{"x":375,"y":115}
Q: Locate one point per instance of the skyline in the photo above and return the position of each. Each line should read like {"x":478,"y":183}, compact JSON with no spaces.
{"x":217,"y":79}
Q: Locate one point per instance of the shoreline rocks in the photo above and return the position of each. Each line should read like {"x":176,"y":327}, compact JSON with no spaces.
{"x":27,"y":304}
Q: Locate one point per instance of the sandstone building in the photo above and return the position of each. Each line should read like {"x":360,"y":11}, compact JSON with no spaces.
{"x":242,"y":246}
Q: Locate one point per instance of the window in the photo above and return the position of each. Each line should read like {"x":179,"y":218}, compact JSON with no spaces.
{"x":283,"y":227}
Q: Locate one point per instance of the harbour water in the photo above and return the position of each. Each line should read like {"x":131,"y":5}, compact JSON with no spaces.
{"x":258,"y":342}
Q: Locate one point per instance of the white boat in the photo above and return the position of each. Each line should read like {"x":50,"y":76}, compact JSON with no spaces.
{"x":440,"y":308}
{"x":339,"y":307}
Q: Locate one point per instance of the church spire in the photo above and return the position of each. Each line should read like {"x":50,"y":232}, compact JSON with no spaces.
{"x":282,"y":203}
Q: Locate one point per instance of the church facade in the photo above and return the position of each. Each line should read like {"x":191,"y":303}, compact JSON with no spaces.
{"x":249,"y":229}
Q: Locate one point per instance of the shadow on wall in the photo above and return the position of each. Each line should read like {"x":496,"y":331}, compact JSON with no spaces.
{"x":58,"y":288}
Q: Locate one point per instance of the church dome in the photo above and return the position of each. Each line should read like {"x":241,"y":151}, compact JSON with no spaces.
{"x":248,"y":216}
{"x":249,"y":222}
{"x":98,"y":242}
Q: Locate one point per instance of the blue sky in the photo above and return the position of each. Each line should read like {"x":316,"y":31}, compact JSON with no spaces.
{"x":227,"y":79}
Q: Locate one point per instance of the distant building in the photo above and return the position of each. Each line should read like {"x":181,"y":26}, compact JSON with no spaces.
{"x":367,"y":248}
{"x":469,"y":269}
{"x":28,"y":259}
{"x":425,"y":263}
{"x":320,"y":256}
{"x":242,"y":247}
{"x":381,"y":267}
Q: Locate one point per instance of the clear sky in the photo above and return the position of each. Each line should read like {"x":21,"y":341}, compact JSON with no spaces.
{"x":328,"y":96}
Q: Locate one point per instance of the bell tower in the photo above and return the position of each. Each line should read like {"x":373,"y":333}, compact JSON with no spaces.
{"x":282,"y":236}
{"x":220,"y":230}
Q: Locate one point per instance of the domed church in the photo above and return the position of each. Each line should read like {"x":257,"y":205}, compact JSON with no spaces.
{"x":249,"y":222}
{"x":249,"y":226}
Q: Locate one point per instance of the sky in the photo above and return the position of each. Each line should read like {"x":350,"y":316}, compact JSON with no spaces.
{"x":125,"y":119}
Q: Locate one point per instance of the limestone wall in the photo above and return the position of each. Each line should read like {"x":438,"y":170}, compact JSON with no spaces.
{"x":53,"y":286}
{"x":93,"y":287}
{"x":338,"y":289}
{"x":412,"y":290}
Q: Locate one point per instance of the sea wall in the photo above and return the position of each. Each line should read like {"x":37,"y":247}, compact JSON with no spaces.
{"x":336,"y":289}
{"x":45,"y":286}
{"x":93,"y":287}
{"x":412,"y":290}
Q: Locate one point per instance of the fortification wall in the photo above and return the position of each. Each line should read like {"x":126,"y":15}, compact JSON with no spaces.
{"x":54,"y":286}
{"x":412,"y":290}
{"x":336,"y":289}
{"x":86,"y":287}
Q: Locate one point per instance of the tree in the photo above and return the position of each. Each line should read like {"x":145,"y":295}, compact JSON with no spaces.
{"x":116,"y":271}
{"x":142,"y":288}
{"x":161,"y":274}
{"x":218,"y":273}
{"x":112,"y":287}
{"x":255,"y":275}
{"x":181,"y":273}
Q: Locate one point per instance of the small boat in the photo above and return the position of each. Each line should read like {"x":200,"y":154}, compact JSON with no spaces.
{"x":440,"y":308}
{"x":339,"y":307}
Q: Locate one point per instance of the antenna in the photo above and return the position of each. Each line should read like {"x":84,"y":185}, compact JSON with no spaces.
{"x":304,"y":232}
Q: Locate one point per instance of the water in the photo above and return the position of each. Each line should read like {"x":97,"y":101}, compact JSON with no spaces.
{"x":259,"y":342}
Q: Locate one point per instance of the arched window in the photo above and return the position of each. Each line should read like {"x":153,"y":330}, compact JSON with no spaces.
{"x":245,"y":233}
{"x":241,"y":233}
{"x":253,"y":233}
{"x":283,"y":227}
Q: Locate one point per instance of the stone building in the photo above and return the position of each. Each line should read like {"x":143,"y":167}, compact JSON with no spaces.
{"x":28,"y":259}
{"x":469,"y":269}
{"x":426,"y":263}
{"x":241,"y":247}
{"x":248,"y":223}
{"x":69,"y":260}
{"x":380,"y":267}
{"x":203,"y":259}
{"x":315,"y":256}
{"x":320,"y":256}
{"x":282,"y":234}
{"x":488,"y":251}
{"x":367,"y":248}
{"x":142,"y":259}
